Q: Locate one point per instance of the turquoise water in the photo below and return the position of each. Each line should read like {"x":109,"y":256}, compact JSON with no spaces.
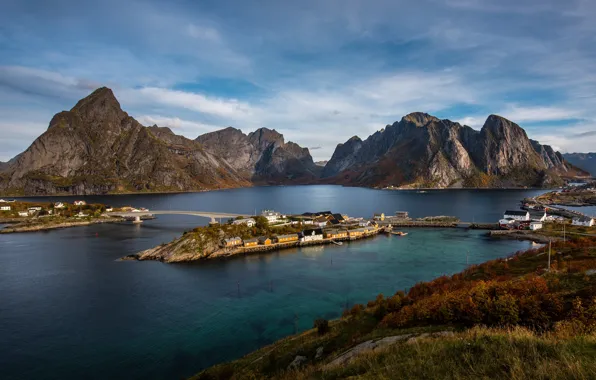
{"x":68,"y":310}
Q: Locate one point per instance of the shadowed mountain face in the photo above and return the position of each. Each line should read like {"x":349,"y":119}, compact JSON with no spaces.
{"x":262,"y":156}
{"x":586,"y":161}
{"x":424,"y":151}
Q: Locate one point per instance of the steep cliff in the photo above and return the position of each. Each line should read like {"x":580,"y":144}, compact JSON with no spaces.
{"x":262,"y":156}
{"x":422,"y":150}
{"x":97,"y":148}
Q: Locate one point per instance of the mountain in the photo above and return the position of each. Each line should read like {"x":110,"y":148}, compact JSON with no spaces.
{"x":586,"y":161}
{"x":321,"y":163}
{"x":97,"y":148}
{"x":262,"y":156}
{"x":424,"y":151}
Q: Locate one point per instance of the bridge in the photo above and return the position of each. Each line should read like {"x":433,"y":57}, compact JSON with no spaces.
{"x":137,"y":215}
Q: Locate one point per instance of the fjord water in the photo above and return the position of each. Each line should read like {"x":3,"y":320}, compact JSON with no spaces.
{"x":69,"y":310}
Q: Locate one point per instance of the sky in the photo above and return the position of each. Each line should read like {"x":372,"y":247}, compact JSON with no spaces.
{"x":317,"y":71}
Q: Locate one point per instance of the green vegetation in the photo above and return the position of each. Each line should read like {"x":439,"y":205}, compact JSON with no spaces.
{"x":507,"y":318}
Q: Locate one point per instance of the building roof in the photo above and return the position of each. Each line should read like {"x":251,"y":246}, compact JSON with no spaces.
{"x":334,"y":221}
{"x":312,"y":231}
{"x":324,"y":213}
{"x":287,"y":236}
{"x":252,"y":240}
{"x":338,"y":217}
{"x":515,"y":212}
{"x":263,"y":238}
{"x":583,"y":218}
{"x":321,"y":219}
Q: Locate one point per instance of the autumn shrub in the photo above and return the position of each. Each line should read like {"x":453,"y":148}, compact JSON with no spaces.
{"x":322,"y":326}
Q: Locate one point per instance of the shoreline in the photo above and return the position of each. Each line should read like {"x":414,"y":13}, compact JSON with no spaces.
{"x":37,"y":228}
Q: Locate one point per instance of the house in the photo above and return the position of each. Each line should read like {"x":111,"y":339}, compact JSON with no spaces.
{"x":356,"y":233}
{"x":59,"y":205}
{"x":311,"y":235}
{"x":81,"y":214}
{"x":535,"y":226}
{"x":380,"y":216}
{"x":336,"y":234}
{"x":583,"y":221}
{"x":401,"y":214}
{"x":363,"y":223}
{"x":232,"y":242}
{"x":321,"y":221}
{"x":334,"y":222}
{"x":33,"y":210}
{"x":506,"y":223}
{"x":339,"y":217}
{"x":516,"y":215}
{"x":286,"y":238}
{"x":250,"y":222}
{"x":80,"y":203}
{"x":264,"y":240}
{"x":271,"y":216}
{"x":23,"y":213}
{"x":5,"y":208}
{"x":251,"y":242}
{"x":538,"y":216}
{"x":109,"y":209}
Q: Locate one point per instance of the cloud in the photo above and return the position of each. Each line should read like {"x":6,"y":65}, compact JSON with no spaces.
{"x":203,"y":33}
{"x":521,"y":114}
{"x":186,"y":127}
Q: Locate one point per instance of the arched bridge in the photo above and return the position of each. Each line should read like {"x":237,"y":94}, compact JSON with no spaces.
{"x":205,"y":214}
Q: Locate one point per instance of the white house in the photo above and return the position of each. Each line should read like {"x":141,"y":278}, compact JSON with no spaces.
{"x":33,"y":210}
{"x":311,"y":235}
{"x":271,"y":216}
{"x":80,"y":203}
{"x":506,"y":223}
{"x":585,"y":222}
{"x":538,"y":216}
{"x":516,"y":215}
{"x":59,"y":205}
{"x":535,"y":226}
{"x":320,"y":221}
{"x":5,"y":208}
{"x":2,"y":201}
{"x":250,"y":222}
{"x":23,"y":213}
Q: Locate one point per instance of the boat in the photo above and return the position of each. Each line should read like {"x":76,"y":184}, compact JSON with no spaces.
{"x":337,"y":242}
{"x":399,"y":233}
{"x":422,"y":191}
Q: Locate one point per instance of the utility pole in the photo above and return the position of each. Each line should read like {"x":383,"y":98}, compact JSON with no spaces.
{"x":549,"y":248}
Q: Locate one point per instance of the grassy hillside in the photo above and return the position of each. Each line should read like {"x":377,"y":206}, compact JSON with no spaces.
{"x":507,"y":318}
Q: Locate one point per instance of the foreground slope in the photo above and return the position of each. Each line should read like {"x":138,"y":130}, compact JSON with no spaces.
{"x":505,"y":319}
{"x":424,"y":151}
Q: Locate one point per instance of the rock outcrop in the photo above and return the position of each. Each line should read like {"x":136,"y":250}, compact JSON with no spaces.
{"x":424,"y":151}
{"x":262,"y":156}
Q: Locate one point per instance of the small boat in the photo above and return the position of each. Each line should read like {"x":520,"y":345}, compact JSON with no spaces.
{"x":399,"y":233}
{"x":337,"y":242}
{"x":422,"y":191}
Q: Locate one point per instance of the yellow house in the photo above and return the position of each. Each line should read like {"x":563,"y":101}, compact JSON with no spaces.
{"x":287,"y":238}
{"x":263,"y":240}
{"x":251,"y":242}
{"x":356,"y":233}
{"x":232,"y":242}
{"x":335,"y":234}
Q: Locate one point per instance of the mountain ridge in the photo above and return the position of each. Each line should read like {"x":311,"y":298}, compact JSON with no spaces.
{"x":97,"y":148}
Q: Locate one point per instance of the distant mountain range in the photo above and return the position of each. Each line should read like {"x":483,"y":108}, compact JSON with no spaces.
{"x":586,"y":161}
{"x":97,"y":148}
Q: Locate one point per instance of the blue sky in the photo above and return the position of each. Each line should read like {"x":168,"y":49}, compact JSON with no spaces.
{"x":317,"y":71}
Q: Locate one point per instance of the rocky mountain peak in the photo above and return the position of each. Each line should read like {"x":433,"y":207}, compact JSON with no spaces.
{"x":101,"y":104}
{"x":266,"y":136}
{"x":420,"y":119}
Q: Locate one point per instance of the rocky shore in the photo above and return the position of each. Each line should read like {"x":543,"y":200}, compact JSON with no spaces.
{"x":523,"y":235}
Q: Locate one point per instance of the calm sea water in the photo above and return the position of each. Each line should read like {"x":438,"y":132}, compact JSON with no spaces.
{"x":68,"y":310}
